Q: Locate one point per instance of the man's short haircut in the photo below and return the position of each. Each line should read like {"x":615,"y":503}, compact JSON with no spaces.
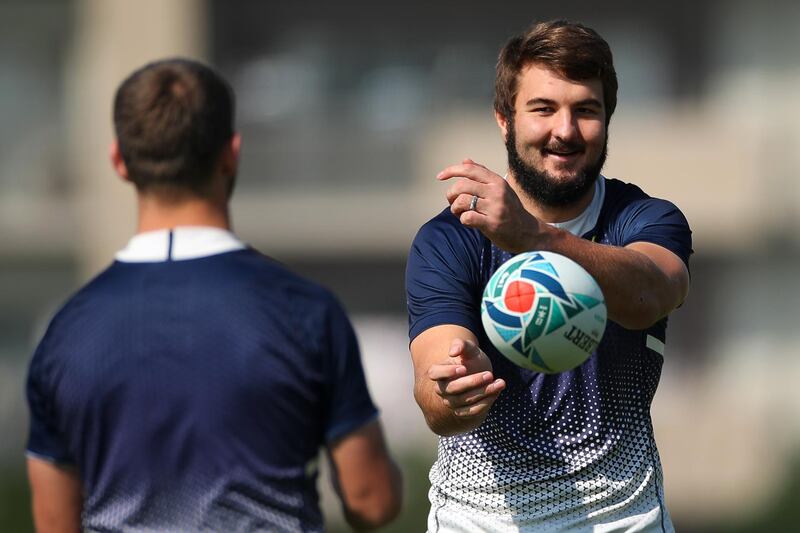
{"x":569,"y":49}
{"x":172,"y":119}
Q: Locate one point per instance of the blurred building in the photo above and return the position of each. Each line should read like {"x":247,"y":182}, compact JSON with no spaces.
{"x":349,"y":109}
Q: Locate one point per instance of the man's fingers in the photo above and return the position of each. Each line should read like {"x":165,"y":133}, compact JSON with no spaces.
{"x":469,"y":161}
{"x":483,"y":404}
{"x":467,"y":411}
{"x":496,"y":387}
{"x":472,"y":396}
{"x":447,"y":371}
{"x":463,"y":202}
{"x":465,"y":187}
{"x":470,"y":171}
{"x":457,"y":347}
{"x":464,"y":348}
{"x":473,"y":219}
{"x":461,"y":385}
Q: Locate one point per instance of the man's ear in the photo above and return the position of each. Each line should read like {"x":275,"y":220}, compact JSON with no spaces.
{"x":117,"y":162}
{"x":502,"y":122}
{"x":229,"y":160}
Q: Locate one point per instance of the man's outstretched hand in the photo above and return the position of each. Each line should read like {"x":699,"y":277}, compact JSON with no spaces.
{"x":466,"y":383}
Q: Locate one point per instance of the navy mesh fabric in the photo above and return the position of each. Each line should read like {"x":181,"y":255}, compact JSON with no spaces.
{"x":194,"y":395}
{"x":568,"y":451}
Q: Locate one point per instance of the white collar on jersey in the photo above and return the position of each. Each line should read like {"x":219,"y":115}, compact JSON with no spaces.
{"x":178,"y":244}
{"x":587,"y":220}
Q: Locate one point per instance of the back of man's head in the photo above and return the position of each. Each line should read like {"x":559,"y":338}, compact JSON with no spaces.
{"x":172,"y":119}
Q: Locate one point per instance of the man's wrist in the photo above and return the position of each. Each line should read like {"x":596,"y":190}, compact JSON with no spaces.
{"x":551,"y":238}
{"x":542,"y":241}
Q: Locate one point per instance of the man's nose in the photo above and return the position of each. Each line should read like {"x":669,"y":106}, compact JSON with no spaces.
{"x":565,"y":127}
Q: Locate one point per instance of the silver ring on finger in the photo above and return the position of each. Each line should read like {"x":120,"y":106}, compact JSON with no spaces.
{"x":473,"y":203}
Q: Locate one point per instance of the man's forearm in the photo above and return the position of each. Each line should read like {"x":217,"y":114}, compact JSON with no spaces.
{"x":636,"y":291}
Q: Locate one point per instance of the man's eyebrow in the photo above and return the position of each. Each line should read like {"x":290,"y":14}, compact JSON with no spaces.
{"x":546,"y":101}
{"x":589,"y":101}
{"x":540,"y":101}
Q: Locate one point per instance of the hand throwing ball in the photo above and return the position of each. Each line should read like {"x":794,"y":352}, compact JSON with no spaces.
{"x":544,"y":312}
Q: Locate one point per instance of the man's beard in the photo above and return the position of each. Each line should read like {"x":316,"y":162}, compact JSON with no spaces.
{"x":545,"y":188}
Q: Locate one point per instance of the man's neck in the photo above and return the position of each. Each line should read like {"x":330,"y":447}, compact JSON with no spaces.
{"x":157,"y":213}
{"x":551,"y":214}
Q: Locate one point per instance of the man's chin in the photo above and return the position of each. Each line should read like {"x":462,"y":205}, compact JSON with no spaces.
{"x":562,"y":175}
{"x":563,"y":170}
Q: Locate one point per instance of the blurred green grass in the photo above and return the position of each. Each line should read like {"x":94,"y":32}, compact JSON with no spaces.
{"x":783,"y":512}
{"x":15,"y":500}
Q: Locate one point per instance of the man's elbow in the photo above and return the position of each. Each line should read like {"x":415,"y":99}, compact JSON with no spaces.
{"x":644,"y":313}
{"x":378,"y":506}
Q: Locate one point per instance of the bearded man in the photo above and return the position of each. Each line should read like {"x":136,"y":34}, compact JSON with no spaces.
{"x":521,"y":450}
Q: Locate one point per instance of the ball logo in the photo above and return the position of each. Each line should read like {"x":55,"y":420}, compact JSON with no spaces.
{"x":543,"y":311}
{"x":519,"y":296}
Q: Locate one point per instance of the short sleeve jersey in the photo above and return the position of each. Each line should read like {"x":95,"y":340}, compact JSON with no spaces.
{"x":194,"y":393}
{"x":566,"y":451}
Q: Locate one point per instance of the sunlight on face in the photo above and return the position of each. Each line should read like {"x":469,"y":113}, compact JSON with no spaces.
{"x":560,"y":125}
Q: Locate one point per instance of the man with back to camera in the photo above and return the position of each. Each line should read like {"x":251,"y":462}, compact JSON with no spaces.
{"x":190,"y":385}
{"x":520,"y":450}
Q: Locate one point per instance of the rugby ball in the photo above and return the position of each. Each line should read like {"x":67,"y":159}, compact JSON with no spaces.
{"x":543,"y":312}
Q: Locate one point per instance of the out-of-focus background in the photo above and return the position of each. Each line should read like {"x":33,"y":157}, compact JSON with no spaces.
{"x":349,"y":109}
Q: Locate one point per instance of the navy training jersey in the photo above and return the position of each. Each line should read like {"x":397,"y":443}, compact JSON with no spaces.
{"x":568,"y":451}
{"x":192,"y":384}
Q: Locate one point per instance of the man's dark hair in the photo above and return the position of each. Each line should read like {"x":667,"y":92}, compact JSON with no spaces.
{"x":570,"y":49}
{"x":172,"y":119}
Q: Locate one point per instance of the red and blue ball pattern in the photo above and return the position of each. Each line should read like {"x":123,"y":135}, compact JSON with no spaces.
{"x":525,"y":300}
